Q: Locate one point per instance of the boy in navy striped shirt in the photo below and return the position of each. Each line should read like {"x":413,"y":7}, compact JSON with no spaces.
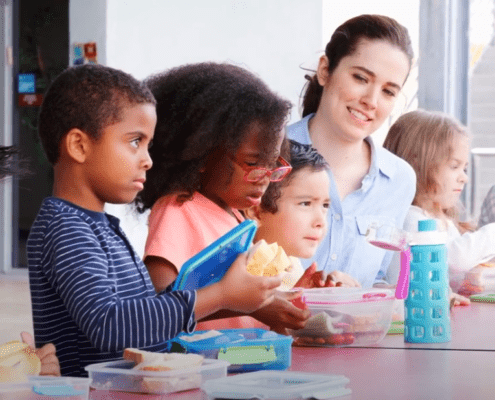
{"x":91,"y":294}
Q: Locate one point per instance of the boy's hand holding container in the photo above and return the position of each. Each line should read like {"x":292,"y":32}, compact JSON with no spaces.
{"x":238,"y":291}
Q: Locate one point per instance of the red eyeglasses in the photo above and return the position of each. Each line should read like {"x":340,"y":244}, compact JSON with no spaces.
{"x":256,"y":174}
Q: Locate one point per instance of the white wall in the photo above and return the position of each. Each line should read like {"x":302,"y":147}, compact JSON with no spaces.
{"x":88,"y":23}
{"x":272,"y":38}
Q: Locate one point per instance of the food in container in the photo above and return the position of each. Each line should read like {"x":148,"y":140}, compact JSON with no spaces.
{"x":345,"y":317}
{"x":155,"y":373}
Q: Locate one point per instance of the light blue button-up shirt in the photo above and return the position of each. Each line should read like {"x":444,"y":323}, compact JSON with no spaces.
{"x":385,"y":195}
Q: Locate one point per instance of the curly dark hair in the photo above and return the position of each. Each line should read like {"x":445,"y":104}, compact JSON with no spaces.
{"x":204,"y":109}
{"x":344,"y":42}
{"x":302,"y":156}
{"x":87,"y":97}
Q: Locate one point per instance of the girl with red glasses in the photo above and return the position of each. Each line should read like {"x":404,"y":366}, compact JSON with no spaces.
{"x":217,"y":146}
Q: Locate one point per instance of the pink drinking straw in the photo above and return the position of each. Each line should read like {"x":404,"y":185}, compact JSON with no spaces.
{"x":402,"y":287}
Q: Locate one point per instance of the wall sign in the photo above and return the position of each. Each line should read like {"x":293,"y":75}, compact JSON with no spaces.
{"x":85,"y":53}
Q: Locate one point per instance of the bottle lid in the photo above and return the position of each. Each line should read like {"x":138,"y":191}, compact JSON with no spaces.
{"x":427,"y":225}
{"x":427,"y":234}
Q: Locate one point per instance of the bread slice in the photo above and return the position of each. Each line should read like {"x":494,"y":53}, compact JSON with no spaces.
{"x":17,"y":360}
{"x":171,"y":384}
{"x":291,"y":275}
{"x":259,"y":256}
{"x":139,"y":356}
{"x":278,"y":265}
{"x":152,"y":361}
{"x":172,"y":361}
{"x":13,"y":374}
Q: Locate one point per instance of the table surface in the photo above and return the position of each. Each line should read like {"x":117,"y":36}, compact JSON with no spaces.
{"x":393,"y":369}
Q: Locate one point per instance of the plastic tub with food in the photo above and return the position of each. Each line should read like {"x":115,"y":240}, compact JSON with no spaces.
{"x":345,"y":317}
{"x":156,"y":373}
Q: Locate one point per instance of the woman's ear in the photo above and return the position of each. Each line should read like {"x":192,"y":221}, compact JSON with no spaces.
{"x":322,"y":73}
{"x":76,"y":145}
{"x":253,"y":213}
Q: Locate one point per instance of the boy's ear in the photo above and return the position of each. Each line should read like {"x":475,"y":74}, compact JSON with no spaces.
{"x":322,"y":73}
{"x":254,"y":213}
{"x":76,"y":144}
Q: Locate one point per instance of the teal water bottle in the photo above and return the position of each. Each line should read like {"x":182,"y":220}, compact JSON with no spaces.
{"x":427,"y":311}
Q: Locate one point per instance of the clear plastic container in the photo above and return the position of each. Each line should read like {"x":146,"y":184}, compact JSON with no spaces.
{"x":119,"y":376}
{"x":277,"y":385}
{"x":345,"y":317}
{"x":46,"y":388}
{"x":245,"y":349}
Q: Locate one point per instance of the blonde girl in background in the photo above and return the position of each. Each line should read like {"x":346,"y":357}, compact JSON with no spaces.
{"x":437,"y":146}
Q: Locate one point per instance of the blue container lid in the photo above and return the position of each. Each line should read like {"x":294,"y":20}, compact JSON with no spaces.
{"x":427,"y":225}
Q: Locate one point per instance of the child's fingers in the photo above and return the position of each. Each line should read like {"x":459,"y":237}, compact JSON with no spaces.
{"x":46,"y":351}
{"x":292,"y":295}
{"x":50,"y":367}
{"x":311,"y":269}
{"x":267,"y":301}
{"x":272,"y":282}
{"x":329,"y":282}
{"x":306,"y":278}
{"x":28,"y":339}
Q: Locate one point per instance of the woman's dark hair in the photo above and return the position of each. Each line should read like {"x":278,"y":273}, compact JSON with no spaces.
{"x":345,"y":41}
{"x":205,"y":109}
{"x":302,"y":156}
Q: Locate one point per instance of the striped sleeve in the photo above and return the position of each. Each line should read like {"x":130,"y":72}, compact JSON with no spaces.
{"x":107,"y":296}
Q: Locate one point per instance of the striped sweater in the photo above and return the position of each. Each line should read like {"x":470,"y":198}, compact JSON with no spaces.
{"x":91,"y":293}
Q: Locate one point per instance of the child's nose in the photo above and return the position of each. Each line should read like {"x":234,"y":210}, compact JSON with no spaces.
{"x":319,"y":217}
{"x":147,"y":161}
{"x":265,"y":181}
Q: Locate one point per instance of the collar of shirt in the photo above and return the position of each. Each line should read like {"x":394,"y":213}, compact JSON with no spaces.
{"x":107,"y":219}
{"x":380,"y":160}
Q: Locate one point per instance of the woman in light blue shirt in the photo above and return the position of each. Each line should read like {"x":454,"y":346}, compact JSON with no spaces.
{"x":349,"y":97}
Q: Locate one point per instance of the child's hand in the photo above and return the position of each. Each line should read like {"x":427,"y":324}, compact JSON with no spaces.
{"x":46,"y":354}
{"x":342,"y":279}
{"x":313,"y":278}
{"x":458,"y":300}
{"x":244,"y":292}
{"x":281,"y":314}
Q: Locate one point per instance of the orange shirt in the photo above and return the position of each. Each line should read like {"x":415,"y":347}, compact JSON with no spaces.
{"x":179,"y":231}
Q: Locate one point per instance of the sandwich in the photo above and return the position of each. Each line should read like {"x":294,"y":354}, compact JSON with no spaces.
{"x":151,"y":361}
{"x":17,"y":361}
{"x":171,"y":363}
{"x":271,"y":260}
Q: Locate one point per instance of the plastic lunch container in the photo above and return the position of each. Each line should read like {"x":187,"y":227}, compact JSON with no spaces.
{"x":345,"y":317}
{"x":119,"y":376}
{"x":245,"y":349}
{"x":277,"y":385}
{"x":46,"y":388}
